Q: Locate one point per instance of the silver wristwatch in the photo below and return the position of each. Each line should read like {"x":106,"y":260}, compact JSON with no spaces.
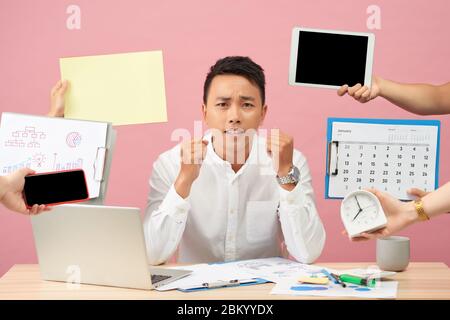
{"x":293,"y":176}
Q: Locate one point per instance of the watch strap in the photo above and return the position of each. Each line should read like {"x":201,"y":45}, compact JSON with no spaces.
{"x":289,"y":178}
{"x":418,"y":204}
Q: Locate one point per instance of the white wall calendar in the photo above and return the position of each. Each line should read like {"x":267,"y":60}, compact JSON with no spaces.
{"x":388,"y":155}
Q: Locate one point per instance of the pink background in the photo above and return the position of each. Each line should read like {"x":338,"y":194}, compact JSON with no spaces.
{"x":412,"y":46}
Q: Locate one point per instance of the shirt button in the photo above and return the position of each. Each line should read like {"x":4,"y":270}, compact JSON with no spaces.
{"x":232,"y":211}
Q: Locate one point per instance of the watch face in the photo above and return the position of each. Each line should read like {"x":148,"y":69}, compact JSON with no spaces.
{"x":361,"y":211}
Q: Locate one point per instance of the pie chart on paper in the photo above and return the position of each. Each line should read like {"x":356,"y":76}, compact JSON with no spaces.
{"x":73,"y":139}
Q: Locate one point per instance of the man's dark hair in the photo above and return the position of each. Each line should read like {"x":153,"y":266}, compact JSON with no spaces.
{"x":241,"y":66}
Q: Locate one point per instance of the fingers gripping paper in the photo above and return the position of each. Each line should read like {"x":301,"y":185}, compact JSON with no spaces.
{"x":126,"y":88}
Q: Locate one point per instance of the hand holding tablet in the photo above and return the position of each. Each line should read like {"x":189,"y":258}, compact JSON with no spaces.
{"x":362,"y":93}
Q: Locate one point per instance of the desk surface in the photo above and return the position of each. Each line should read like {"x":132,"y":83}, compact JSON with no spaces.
{"x":422,"y":280}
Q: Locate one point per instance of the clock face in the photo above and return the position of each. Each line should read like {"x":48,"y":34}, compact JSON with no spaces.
{"x":361,"y":212}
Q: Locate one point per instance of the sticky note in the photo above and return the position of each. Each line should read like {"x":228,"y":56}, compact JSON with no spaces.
{"x":124,"y":88}
{"x":313,"y":280}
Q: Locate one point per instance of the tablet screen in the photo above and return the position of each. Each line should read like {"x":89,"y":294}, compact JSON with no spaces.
{"x":331,"y":59}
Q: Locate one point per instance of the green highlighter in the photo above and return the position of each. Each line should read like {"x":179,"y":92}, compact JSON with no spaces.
{"x":358,"y":280}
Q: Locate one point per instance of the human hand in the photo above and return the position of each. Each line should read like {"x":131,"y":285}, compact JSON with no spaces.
{"x":399,"y":216}
{"x":192,"y":154}
{"x":280,"y":147}
{"x":57,"y":102}
{"x":12,"y":193}
{"x":418,"y":193}
{"x":362,"y":93}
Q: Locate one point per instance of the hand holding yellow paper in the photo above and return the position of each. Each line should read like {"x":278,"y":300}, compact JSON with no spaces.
{"x":125,"y":88}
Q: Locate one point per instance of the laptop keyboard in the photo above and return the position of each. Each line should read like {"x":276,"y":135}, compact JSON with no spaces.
{"x":157,"y":278}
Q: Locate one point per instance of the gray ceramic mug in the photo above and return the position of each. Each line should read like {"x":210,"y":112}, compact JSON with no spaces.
{"x":393,"y":253}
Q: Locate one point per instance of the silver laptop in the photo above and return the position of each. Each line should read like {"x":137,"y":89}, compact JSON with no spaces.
{"x":99,"y":245}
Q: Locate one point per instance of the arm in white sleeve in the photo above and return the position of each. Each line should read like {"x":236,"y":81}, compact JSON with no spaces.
{"x":166,"y":213}
{"x":302,"y":228}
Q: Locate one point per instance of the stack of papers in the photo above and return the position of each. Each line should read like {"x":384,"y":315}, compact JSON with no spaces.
{"x":285,"y":273}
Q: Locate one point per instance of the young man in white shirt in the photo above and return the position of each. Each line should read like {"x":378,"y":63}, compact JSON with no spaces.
{"x":232,"y":194}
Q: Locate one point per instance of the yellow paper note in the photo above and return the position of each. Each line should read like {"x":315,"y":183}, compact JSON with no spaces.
{"x":125,"y":88}
{"x":313,"y":280}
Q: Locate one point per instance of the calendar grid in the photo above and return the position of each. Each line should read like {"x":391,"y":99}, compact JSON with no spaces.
{"x":384,"y":156}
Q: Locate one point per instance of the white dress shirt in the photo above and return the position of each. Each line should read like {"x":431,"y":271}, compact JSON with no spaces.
{"x":231,"y":216}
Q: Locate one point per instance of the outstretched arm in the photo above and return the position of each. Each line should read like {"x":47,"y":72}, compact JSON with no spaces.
{"x":423,"y":99}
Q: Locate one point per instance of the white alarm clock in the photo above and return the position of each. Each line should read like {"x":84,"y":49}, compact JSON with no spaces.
{"x":361,"y":211}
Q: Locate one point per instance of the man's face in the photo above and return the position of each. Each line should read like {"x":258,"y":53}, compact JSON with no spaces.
{"x":233,"y":107}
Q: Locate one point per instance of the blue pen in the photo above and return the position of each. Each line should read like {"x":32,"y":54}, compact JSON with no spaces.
{"x":325,"y":272}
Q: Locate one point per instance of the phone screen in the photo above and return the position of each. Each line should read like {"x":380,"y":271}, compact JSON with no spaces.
{"x":55,"y":187}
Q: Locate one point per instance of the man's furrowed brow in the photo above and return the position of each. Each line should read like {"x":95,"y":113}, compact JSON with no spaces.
{"x":223,"y":98}
{"x":247,"y":98}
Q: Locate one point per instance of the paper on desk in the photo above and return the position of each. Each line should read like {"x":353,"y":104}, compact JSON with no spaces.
{"x":202,"y":273}
{"x":274,"y":269}
{"x":383,"y":290}
{"x":126,"y":88}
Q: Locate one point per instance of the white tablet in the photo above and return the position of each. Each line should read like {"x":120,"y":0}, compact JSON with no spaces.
{"x":330,"y":59}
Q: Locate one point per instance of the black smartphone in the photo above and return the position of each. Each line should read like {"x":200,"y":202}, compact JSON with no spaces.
{"x":55,"y":188}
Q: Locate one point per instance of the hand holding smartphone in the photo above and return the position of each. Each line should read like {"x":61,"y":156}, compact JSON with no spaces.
{"x":55,"y":188}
